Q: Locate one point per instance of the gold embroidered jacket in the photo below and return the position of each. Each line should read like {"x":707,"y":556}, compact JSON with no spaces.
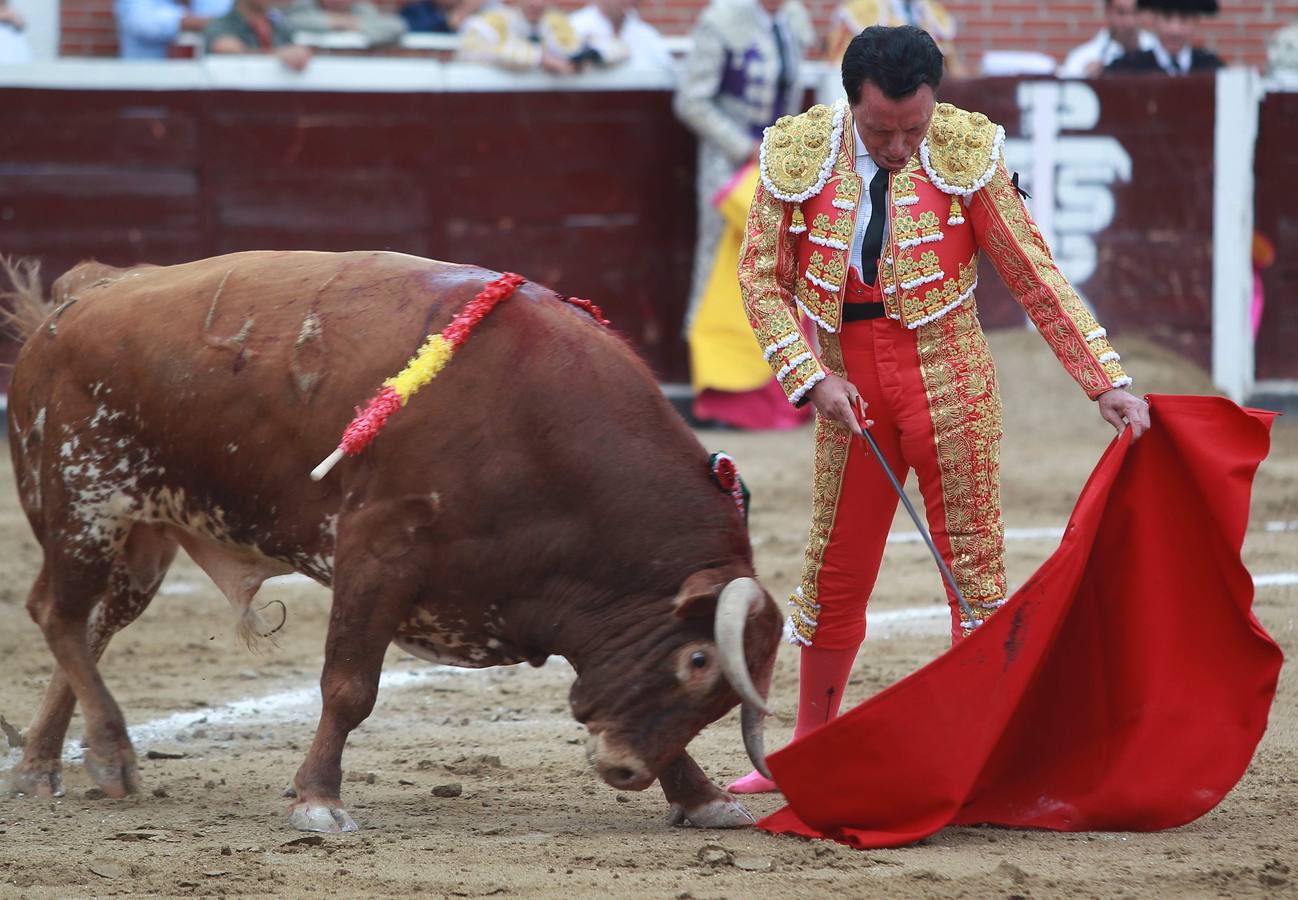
{"x":952,"y":201}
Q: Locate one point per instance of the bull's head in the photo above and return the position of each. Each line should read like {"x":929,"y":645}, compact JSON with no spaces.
{"x":644,"y":702}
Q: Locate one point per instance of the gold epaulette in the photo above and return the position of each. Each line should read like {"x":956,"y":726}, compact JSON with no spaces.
{"x":961,"y":150}
{"x":798,"y":152}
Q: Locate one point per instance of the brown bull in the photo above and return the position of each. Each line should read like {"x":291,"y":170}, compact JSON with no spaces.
{"x":540,"y":497}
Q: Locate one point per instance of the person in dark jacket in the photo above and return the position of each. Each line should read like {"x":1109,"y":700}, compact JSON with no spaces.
{"x":1175,"y":23}
{"x":439,"y":16}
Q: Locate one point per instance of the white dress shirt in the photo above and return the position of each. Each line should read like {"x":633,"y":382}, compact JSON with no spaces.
{"x":643,"y":42}
{"x":13,"y":46}
{"x":146,"y":28}
{"x":865,"y":167}
{"x":1173,"y":65}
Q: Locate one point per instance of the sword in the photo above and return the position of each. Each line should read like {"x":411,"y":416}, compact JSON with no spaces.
{"x":914,"y":517}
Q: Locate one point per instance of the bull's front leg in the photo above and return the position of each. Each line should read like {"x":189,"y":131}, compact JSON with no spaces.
{"x":369,"y":602}
{"x":695,"y":800}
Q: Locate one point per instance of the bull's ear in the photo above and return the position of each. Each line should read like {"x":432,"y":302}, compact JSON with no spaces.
{"x":697,"y":597}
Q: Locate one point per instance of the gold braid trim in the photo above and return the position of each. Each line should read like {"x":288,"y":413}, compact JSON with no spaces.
{"x":965,"y":408}
{"x":767,"y":269}
{"x":832,"y":445}
{"x":1011,"y":239}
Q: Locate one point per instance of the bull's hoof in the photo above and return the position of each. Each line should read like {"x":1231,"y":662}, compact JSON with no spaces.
{"x":329,"y":819}
{"x":115,"y":773}
{"x":713,"y":814}
{"x":37,"y":779}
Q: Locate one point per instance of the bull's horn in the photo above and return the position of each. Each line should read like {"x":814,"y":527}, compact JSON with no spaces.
{"x":755,"y":738}
{"x":737,"y":600}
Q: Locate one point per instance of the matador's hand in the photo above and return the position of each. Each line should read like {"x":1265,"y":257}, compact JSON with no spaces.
{"x":837,"y":400}
{"x":1120,"y":409}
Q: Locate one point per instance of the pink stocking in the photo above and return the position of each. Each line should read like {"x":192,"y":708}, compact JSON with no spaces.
{"x":822,"y":677}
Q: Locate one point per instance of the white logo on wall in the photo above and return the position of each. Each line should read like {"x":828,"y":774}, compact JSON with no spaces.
{"x":1070,"y":176}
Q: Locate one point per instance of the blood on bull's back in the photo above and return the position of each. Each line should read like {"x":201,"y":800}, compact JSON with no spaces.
{"x":538,"y":496}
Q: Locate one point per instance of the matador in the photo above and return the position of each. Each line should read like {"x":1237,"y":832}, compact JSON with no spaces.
{"x":868,"y":224}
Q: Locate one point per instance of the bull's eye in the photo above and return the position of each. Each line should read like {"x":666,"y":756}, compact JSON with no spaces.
{"x":699,"y":659}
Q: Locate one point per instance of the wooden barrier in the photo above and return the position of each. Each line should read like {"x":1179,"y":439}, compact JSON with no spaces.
{"x":591,"y":190}
{"x":1276,"y":218}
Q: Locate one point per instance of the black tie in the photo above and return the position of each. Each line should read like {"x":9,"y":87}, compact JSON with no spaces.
{"x":872,"y":242}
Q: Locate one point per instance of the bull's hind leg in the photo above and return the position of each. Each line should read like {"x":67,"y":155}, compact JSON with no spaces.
{"x":40,"y":773}
{"x":132,"y":580}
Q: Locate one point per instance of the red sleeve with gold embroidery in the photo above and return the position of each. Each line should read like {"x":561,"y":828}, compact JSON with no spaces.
{"x":1007,"y":234}
{"x":767,"y":273}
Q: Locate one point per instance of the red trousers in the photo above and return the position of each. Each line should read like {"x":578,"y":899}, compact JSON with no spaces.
{"x":936,"y":409}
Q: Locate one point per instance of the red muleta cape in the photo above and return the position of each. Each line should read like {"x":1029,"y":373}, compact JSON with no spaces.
{"x":1124,"y":687}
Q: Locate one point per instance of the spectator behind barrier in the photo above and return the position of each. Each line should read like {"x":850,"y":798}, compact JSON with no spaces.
{"x":13,"y":42}
{"x":324,"y":16}
{"x":616,"y":33}
{"x":439,"y":16}
{"x":1175,"y":25}
{"x":1122,"y":34}
{"x":256,"y":26}
{"x":146,"y":29}
{"x":527,"y":36}
{"x":854,"y":16}
{"x":743,"y":72}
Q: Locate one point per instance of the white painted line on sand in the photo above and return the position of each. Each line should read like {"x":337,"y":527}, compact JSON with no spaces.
{"x":1276,"y":579}
{"x":909,"y":614}
{"x":892,"y":617}
{"x":268,"y":708}
{"x":297,"y":702}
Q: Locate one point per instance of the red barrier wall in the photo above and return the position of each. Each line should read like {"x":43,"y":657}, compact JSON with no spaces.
{"x":1276,"y":217}
{"x":590,"y":192}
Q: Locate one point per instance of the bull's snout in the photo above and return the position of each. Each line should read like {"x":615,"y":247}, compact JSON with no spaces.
{"x":617,"y":765}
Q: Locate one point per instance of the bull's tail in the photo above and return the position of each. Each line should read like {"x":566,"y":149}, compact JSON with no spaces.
{"x":23,"y":305}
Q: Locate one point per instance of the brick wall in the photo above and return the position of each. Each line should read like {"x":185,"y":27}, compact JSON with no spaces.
{"x":1053,"y":26}
{"x":87,"y":28}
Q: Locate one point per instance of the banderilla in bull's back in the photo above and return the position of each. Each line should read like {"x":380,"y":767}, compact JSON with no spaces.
{"x":539,"y":497}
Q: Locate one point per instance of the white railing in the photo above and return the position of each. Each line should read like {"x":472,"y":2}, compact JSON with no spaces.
{"x":260,"y":72}
{"x":678,"y":44}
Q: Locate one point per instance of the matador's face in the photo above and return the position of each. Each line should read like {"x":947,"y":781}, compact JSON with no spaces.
{"x":893,"y":129}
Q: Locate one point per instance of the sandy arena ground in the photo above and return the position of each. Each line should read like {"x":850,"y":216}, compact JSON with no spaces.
{"x":532,"y":820}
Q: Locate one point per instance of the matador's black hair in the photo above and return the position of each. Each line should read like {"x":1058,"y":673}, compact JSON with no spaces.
{"x":896,"y":60}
